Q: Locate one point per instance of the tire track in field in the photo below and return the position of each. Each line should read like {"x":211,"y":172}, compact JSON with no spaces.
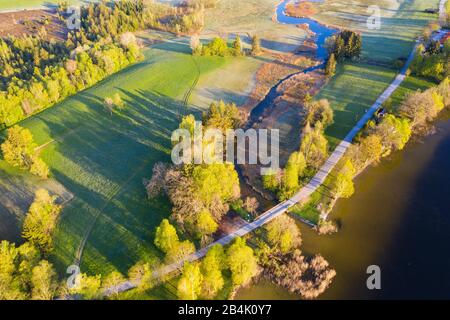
{"x":114,"y":193}
{"x":188,"y":94}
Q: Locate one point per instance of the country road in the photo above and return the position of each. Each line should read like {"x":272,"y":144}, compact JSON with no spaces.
{"x":306,"y":191}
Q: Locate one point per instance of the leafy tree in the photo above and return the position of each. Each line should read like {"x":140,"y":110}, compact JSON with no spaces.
{"x":330,"y":68}
{"x":319,"y":111}
{"x":237,"y":46}
{"x":166,"y":238}
{"x":112,"y":282}
{"x":342,"y":186}
{"x":19,"y":147}
{"x":217,"y":47}
{"x":39,"y":168}
{"x":256,"y":45}
{"x":180,"y":251}
{"x":222,"y":116}
{"x":218,"y":180}
{"x":294,"y":169}
{"x":283,"y":234}
{"x":205,"y":224}
{"x":89,"y":287}
{"x":394,"y":132}
{"x":241,"y":261}
{"x":141,"y":275}
{"x":211,"y":268}
{"x":271,"y":180}
{"x":368,"y":151}
{"x":44,"y":281}
{"x":314,"y":145}
{"x":41,"y":220}
{"x":189,"y":285}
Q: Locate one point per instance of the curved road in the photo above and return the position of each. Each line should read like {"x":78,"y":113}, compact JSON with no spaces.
{"x":307,"y":190}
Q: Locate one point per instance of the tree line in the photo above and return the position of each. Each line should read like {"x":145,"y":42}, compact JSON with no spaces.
{"x":36,"y":73}
{"x":313,"y":151}
{"x":383,"y":136}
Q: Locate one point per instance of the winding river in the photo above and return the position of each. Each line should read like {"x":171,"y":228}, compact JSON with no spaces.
{"x":398,"y":219}
{"x":321,"y":34}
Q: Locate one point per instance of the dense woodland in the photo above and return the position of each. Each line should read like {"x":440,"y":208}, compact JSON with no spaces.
{"x":36,"y":73}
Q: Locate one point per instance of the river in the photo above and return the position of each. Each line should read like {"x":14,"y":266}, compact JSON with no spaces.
{"x":398,"y":219}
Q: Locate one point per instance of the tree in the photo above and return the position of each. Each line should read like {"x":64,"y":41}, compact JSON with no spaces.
{"x":117,"y":100}
{"x":319,"y":111}
{"x":314,"y":145}
{"x":283,"y":234}
{"x":89,"y":287}
{"x":294,"y":169}
{"x":421,"y":107}
{"x":189,"y":285}
{"x":205,"y":224}
{"x":222,"y":116}
{"x":166,"y":238}
{"x":271,"y":180}
{"x":217,"y":47}
{"x":256,"y":45}
{"x":394,"y":132}
{"x":16,"y":265}
{"x":180,"y":251}
{"x":19,"y":147}
{"x":242,"y":262}
{"x":342,"y":186}
{"x":250,"y":205}
{"x":112,"y":282}
{"x":41,"y":220}
{"x":44,"y":281}
{"x":237,"y":46}
{"x":39,"y":168}
{"x":330,"y":68}
{"x":215,"y":181}
{"x":141,"y":275}
{"x":368,"y":151}
{"x":211,"y":268}
{"x":196,"y":45}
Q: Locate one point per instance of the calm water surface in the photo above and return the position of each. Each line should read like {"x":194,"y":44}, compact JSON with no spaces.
{"x":399,"y":219}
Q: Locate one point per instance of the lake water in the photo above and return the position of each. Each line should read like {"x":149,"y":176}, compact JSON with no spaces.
{"x":398,"y":219}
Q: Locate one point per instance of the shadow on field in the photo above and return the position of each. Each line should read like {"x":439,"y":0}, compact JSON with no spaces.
{"x":102,"y":159}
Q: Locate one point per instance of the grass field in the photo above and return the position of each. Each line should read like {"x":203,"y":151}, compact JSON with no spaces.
{"x":401,"y":22}
{"x":102,"y":159}
{"x":6,"y":5}
{"x":309,"y":210}
{"x":356,"y":86}
{"x":353,"y":89}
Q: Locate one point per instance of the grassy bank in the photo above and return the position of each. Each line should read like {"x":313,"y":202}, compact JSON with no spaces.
{"x":309,"y":210}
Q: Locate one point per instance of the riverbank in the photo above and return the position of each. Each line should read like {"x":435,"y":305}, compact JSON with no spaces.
{"x":398,"y":219}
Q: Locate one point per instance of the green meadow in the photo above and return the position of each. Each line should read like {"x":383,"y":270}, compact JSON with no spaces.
{"x":102,"y":159}
{"x":6,"y":5}
{"x":356,"y":85}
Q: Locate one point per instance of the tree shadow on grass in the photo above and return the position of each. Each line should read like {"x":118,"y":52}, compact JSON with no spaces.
{"x":103,"y":161}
